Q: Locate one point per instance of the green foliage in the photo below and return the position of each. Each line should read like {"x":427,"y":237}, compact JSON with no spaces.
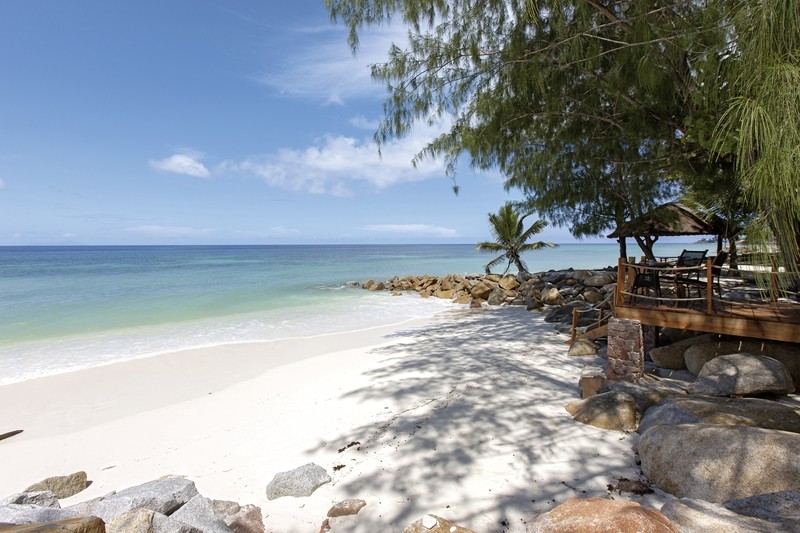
{"x":599,"y":111}
{"x":760,"y":130}
{"x":508,"y":229}
{"x":574,"y":102}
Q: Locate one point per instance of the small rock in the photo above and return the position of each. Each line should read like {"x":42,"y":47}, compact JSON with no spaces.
{"x":582,"y":348}
{"x":610,"y":410}
{"x":647,"y":392}
{"x":147,"y":521}
{"x":29,"y":514}
{"x":61,"y":486}
{"x":600,"y":279}
{"x":670,"y":357}
{"x":42,"y":498}
{"x":199,"y":513}
{"x":300,"y":482}
{"x":435,"y":524}
{"x":240,"y":518}
{"x":551,"y":296}
{"x":346,"y":508}
{"x":496,"y":297}
{"x":634,"y":486}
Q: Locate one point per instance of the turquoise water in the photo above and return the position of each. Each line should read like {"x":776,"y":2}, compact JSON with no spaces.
{"x":64,"y":308}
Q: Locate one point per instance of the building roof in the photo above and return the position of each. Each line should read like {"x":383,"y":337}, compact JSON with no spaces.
{"x":668,"y":220}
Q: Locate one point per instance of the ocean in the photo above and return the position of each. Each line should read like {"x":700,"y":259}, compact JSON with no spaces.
{"x":66,"y":308}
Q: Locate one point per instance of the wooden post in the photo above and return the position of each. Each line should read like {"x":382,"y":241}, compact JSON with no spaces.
{"x":709,"y":287}
{"x":620,"y":281}
{"x":631,"y":273}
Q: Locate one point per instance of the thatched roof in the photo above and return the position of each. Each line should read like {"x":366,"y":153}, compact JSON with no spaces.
{"x":669,"y":220}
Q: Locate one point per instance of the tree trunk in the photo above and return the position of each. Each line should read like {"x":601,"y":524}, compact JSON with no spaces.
{"x":646,"y":243}
{"x":518,"y":264}
{"x":623,"y":248}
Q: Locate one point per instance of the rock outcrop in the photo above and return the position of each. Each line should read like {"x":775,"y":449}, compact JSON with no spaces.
{"x":751,"y":412}
{"x":163,"y":496}
{"x":554,"y":288}
{"x":698,"y":355}
{"x":717,"y":463}
{"x":742,"y":374}
{"x":699,"y":516}
{"x":167,"y":505}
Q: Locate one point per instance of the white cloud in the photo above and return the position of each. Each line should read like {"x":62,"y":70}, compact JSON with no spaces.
{"x":337,"y":164}
{"x":413,"y":229}
{"x":363,"y":123}
{"x":170,"y":231}
{"x":2,"y":184}
{"x":324,"y":67}
{"x":186,"y":162}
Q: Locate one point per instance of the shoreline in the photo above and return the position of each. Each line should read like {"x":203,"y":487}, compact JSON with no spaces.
{"x":192,"y":333}
{"x":459,"y":415}
{"x":205,"y":378}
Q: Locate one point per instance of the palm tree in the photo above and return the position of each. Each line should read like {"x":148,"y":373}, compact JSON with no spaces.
{"x":511,"y":237}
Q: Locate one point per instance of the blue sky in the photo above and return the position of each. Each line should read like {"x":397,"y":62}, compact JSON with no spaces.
{"x":213,"y":122}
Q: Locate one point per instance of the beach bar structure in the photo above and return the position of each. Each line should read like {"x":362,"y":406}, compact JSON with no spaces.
{"x":685,"y":298}
{"x":692,"y":298}
{"x":686,"y":293}
{"x":673,"y":220}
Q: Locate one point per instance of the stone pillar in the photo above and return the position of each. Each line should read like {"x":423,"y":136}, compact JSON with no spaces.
{"x":625,"y":350}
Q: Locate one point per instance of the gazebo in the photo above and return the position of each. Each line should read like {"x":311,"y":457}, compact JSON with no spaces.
{"x":670,"y":220}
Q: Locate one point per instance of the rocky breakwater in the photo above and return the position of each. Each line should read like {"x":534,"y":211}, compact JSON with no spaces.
{"x":555,"y":292}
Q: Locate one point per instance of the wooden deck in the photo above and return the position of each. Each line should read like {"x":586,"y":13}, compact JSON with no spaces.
{"x":768,"y":316}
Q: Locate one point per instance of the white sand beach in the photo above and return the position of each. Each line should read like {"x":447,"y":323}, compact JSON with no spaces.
{"x":460,"y":416}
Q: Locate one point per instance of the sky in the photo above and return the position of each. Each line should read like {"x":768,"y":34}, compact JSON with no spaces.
{"x":213,"y":122}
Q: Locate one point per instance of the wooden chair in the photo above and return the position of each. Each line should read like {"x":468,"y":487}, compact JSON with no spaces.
{"x":691,"y":258}
{"x":644,"y":281}
{"x":716,"y":272}
{"x":688,"y":280}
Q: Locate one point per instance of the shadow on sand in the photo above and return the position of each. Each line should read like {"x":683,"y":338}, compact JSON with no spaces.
{"x":474,"y":428}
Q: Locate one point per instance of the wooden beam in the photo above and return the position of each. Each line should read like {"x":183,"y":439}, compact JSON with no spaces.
{"x":697,"y":321}
{"x":600,"y":331}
